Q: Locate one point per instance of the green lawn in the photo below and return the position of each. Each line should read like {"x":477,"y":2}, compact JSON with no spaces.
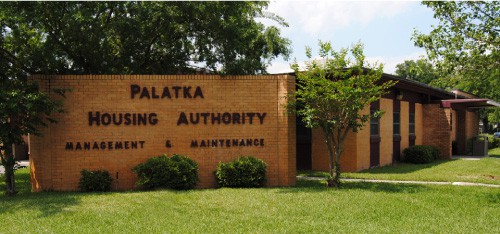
{"x":494,"y":152}
{"x":309,"y":207}
{"x":486,"y":170}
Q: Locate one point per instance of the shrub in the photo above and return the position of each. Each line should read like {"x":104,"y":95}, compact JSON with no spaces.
{"x":420,"y":154}
{"x":92,"y":181}
{"x":436,"y":153}
{"x":177,"y":172}
{"x":493,"y":142}
{"x":244,"y":172}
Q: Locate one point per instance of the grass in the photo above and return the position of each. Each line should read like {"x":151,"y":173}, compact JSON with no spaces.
{"x":309,"y":207}
{"x":486,"y":170}
{"x":494,"y":153}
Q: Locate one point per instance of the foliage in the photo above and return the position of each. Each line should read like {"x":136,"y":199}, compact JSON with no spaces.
{"x":494,"y":152}
{"x":465,"y":46}
{"x":332,"y":92}
{"x":420,"y":70}
{"x":139,"y":37}
{"x":420,"y":154}
{"x":493,"y":143}
{"x":23,"y":110}
{"x":121,"y":38}
{"x":176,"y":172}
{"x":93,"y":181}
{"x":494,"y":116}
{"x":244,"y":172}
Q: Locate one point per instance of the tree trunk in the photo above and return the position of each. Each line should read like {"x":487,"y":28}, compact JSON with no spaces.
{"x":335,"y":171}
{"x":8,"y":164}
{"x":332,"y":163}
{"x":335,"y":181}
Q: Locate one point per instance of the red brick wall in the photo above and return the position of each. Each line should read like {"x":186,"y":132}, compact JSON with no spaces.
{"x":319,"y":154}
{"x":386,"y":131}
{"x":436,"y":128}
{"x":471,"y":124}
{"x":53,"y":167}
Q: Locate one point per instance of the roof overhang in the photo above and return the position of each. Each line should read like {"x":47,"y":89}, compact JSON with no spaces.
{"x":470,"y":103}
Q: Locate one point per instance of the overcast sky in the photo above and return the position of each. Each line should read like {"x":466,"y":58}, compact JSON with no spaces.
{"x":384,"y":27}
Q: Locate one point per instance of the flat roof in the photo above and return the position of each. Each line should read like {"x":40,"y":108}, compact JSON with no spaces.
{"x":471,"y":103}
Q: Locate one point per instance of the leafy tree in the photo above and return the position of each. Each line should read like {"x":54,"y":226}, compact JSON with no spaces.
{"x":331,"y":94}
{"x":420,"y":70}
{"x":120,"y":38}
{"x":23,"y":109}
{"x":466,"y":46}
{"x":494,"y":117}
{"x":140,"y":37}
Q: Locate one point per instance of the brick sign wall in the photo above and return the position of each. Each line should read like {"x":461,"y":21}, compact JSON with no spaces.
{"x":117,"y":122}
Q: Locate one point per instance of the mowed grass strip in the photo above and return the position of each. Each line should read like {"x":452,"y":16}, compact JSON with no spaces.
{"x":494,"y":152}
{"x":309,"y":207}
{"x":486,"y":170}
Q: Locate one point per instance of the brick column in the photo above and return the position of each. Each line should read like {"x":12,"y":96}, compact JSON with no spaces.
{"x":286,"y":133}
{"x":437,"y":129}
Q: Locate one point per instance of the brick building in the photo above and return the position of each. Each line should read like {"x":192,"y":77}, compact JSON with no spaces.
{"x":415,"y":114}
{"x":114,"y":122}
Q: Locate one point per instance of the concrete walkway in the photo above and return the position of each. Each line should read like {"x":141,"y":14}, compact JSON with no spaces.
{"x":406,"y":182}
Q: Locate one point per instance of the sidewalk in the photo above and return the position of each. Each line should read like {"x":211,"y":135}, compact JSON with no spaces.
{"x":406,"y":182}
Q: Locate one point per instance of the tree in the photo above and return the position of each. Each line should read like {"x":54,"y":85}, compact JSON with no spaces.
{"x":420,"y":70}
{"x":331,"y":94}
{"x":23,"y":109}
{"x":494,"y":118}
{"x":140,"y":37}
{"x":120,"y":38}
{"x":466,"y":46}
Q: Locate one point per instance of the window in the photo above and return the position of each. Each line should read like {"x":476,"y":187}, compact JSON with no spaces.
{"x":374,"y":127}
{"x":396,"y":123}
{"x":374,"y":122}
{"x":412,"y":123}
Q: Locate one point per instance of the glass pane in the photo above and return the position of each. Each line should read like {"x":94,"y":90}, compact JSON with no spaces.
{"x":374,"y":129}
{"x":396,"y":117}
{"x":412,"y":117}
{"x":412,"y":128}
{"x":396,"y":129}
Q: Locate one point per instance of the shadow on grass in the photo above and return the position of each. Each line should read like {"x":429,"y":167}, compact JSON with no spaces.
{"x":310,"y":186}
{"x":385,"y":187}
{"x":47,"y":203}
{"x":402,"y":168}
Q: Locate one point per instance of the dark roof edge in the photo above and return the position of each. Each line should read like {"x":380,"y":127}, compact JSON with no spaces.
{"x":434,"y":90}
{"x":422,"y":85}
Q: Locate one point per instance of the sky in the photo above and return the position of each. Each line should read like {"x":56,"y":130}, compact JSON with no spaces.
{"x":384,"y":27}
